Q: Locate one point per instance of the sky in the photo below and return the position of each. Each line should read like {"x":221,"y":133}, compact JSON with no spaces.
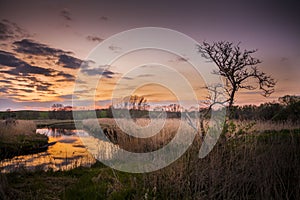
{"x":46,"y":45}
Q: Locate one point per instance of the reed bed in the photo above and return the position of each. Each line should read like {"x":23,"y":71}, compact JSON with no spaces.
{"x":137,"y":144}
{"x":20,"y":127}
{"x":264,"y":165}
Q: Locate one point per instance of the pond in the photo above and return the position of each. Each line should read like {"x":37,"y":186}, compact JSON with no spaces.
{"x":66,"y":151}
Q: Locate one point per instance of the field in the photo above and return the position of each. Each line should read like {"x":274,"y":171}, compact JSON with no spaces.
{"x":260,"y":162}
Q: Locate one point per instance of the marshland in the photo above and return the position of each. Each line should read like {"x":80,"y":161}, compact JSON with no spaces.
{"x":253,"y":159}
{"x":149,"y":100}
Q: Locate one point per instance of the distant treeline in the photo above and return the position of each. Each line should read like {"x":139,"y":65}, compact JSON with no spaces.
{"x":80,"y":114}
{"x":40,"y":115}
{"x":287,"y":108}
{"x":268,"y":111}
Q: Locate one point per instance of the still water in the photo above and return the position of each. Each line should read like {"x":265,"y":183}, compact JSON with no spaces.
{"x":66,"y":152}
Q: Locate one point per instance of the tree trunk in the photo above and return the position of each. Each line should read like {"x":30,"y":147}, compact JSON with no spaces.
{"x":231,"y":99}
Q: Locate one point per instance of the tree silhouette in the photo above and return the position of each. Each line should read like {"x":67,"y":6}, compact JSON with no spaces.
{"x":237,"y":67}
{"x":57,"y":107}
{"x":132,"y":102}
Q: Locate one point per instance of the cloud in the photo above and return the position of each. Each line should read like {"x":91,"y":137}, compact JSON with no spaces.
{"x":17,"y":105}
{"x":127,"y":78}
{"x":5,"y":32}
{"x":27,"y":46}
{"x":10,"y":30}
{"x":65,"y":75}
{"x":115,"y":49}
{"x":65,"y":13}
{"x":5,"y":81}
{"x":69,"y":61}
{"x":68,"y":96}
{"x":145,"y":75}
{"x":180,"y":59}
{"x":43,"y":88}
{"x":3,"y":89}
{"x":14,"y":92}
{"x":32,"y":70}
{"x":8,"y":59}
{"x":104,"y":18}
{"x":26,"y":90}
{"x":28,"y":69}
{"x":94,"y":38}
{"x":98,"y":71}
{"x":31,"y":47}
{"x":19,"y":67}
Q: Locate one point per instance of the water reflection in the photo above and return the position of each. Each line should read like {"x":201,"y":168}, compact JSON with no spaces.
{"x":66,"y":152}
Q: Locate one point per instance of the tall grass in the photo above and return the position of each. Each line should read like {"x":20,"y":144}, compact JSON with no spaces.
{"x":251,"y":167}
{"x":20,"y":127}
{"x":264,"y":165}
{"x":19,"y":138}
{"x":131,"y":143}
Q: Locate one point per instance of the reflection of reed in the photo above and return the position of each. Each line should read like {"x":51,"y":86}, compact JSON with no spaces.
{"x":100,"y":149}
{"x":65,"y":155}
{"x":44,"y":162}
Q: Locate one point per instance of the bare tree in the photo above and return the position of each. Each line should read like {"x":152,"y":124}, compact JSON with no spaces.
{"x":57,"y":107}
{"x":205,"y":107}
{"x":132,"y":102}
{"x":237,"y":67}
{"x":142,"y":103}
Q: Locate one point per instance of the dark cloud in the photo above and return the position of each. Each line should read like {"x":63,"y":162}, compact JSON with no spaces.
{"x":66,"y":75}
{"x":115,"y":48}
{"x":10,"y":30}
{"x":68,"y":96}
{"x":33,"y":79}
{"x":5,"y":32}
{"x":19,"y":67}
{"x":28,"y":69}
{"x":147,"y":66}
{"x":182,"y":59}
{"x":32,"y":82}
{"x":13,"y":92}
{"x":127,"y":78}
{"x":27,"y":46}
{"x":98,"y":71}
{"x":94,"y":38}
{"x":43,"y":88}
{"x":64,"y":80}
{"x":26,"y":90}
{"x":5,"y":81}
{"x":65,"y":13}
{"x":3,"y":89}
{"x":69,"y":61}
{"x":145,"y":75}
{"x":8,"y":59}
{"x":104,"y":18}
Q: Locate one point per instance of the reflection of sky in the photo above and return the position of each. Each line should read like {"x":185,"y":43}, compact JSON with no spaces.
{"x":68,"y":31}
{"x":68,"y":152}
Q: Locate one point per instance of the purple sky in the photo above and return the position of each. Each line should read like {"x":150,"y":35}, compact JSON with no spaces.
{"x":50,"y":38}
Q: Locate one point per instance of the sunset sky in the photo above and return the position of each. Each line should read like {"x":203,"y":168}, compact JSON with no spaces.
{"x":43,"y":44}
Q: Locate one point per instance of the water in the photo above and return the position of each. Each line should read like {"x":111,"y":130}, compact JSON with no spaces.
{"x":70,"y":149}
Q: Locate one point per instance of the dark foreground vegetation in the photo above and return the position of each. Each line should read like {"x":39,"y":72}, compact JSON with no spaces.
{"x":264,"y":166}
